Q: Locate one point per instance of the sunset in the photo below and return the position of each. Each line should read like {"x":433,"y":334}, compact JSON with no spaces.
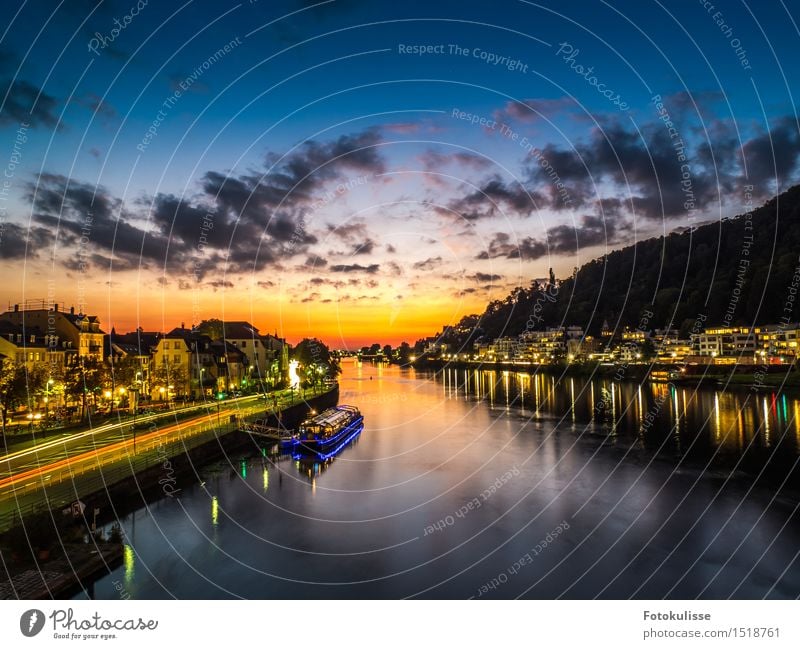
{"x":341,"y":300}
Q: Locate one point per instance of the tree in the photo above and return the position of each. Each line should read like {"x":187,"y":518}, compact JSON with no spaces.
{"x":15,"y":388}
{"x":387,"y":351}
{"x":315,"y":362}
{"x":85,"y":379}
{"x":404,"y":353}
{"x":166,"y":375}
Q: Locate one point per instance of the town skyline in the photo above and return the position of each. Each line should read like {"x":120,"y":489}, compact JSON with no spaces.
{"x":214,"y":183}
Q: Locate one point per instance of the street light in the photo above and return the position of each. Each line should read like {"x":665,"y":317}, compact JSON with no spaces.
{"x":47,"y":389}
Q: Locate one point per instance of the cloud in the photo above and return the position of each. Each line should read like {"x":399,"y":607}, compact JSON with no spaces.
{"x":494,"y":197}
{"x":531,"y":110}
{"x":428,"y":264}
{"x":363,"y":247}
{"x":485,"y":277}
{"x":315,"y":261}
{"x":561,"y":239}
{"x":236,"y":223}
{"x":773,"y":155}
{"x":435,"y":160}
{"x":660,"y":174}
{"x":355,"y":268}
{"x":26,"y":103}
{"x":18,"y":242}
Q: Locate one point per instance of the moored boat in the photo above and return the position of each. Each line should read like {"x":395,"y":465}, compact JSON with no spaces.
{"x":326,"y":433}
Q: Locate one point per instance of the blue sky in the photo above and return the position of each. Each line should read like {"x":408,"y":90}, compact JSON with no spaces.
{"x":344,"y":174}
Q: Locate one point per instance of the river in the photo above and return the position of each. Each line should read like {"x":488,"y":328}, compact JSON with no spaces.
{"x":493,"y":485}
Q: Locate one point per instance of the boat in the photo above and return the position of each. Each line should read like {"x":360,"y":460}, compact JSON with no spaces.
{"x":328,"y":432}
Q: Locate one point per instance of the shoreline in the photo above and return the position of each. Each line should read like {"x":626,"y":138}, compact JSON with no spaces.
{"x":162,"y":477}
{"x":787,"y":380}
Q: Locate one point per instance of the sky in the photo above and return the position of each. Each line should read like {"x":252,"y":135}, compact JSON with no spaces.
{"x":368,"y":171}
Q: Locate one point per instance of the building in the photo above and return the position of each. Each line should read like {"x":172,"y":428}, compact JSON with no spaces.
{"x":779,"y":342}
{"x":136,"y":348}
{"x":727,"y":344}
{"x":545,"y":346}
{"x":81,"y":331}
{"x":190,"y":365}
{"x":183,"y":366}
{"x":674,"y":350}
{"x":32,"y":348}
{"x":264,"y":352}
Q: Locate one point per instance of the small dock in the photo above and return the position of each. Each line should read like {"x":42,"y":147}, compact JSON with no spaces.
{"x":260,"y":429}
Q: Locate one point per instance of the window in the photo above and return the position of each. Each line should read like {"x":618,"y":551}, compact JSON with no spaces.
{"x":177,"y":359}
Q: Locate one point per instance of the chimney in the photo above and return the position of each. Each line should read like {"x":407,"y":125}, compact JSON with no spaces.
{"x":55,"y":307}
{"x":16,"y":308}
{"x":72,"y":310}
{"x":183,"y":325}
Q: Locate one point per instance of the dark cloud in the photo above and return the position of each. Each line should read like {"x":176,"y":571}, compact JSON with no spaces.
{"x":18,"y":242}
{"x":773,"y":156}
{"x":561,"y":239}
{"x":239,"y":223}
{"x":485,"y":277}
{"x":492,"y":198}
{"x":355,"y":268}
{"x":315,"y":261}
{"x":363,"y":247}
{"x":26,"y":103}
{"x":428,"y":264}
{"x":435,"y":160}
{"x":649,"y":173}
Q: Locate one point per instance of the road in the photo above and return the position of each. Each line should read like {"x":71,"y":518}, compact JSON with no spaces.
{"x":94,"y":439}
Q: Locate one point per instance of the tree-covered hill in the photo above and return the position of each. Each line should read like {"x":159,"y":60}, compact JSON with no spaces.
{"x":738,"y":271}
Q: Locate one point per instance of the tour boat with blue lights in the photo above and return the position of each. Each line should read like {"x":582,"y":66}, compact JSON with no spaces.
{"x":328,"y":432}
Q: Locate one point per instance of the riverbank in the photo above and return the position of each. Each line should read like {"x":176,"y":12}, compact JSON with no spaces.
{"x":164,"y":473}
{"x":775,"y":377}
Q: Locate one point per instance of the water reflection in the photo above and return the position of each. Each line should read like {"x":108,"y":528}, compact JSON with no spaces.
{"x":641,"y":524}
{"x":731,"y":428}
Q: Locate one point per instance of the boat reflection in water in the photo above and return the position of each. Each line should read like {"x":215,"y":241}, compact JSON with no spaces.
{"x":323,"y":437}
{"x":326,"y":434}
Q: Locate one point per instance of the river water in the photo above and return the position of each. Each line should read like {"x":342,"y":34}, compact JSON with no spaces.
{"x":493,"y":485}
